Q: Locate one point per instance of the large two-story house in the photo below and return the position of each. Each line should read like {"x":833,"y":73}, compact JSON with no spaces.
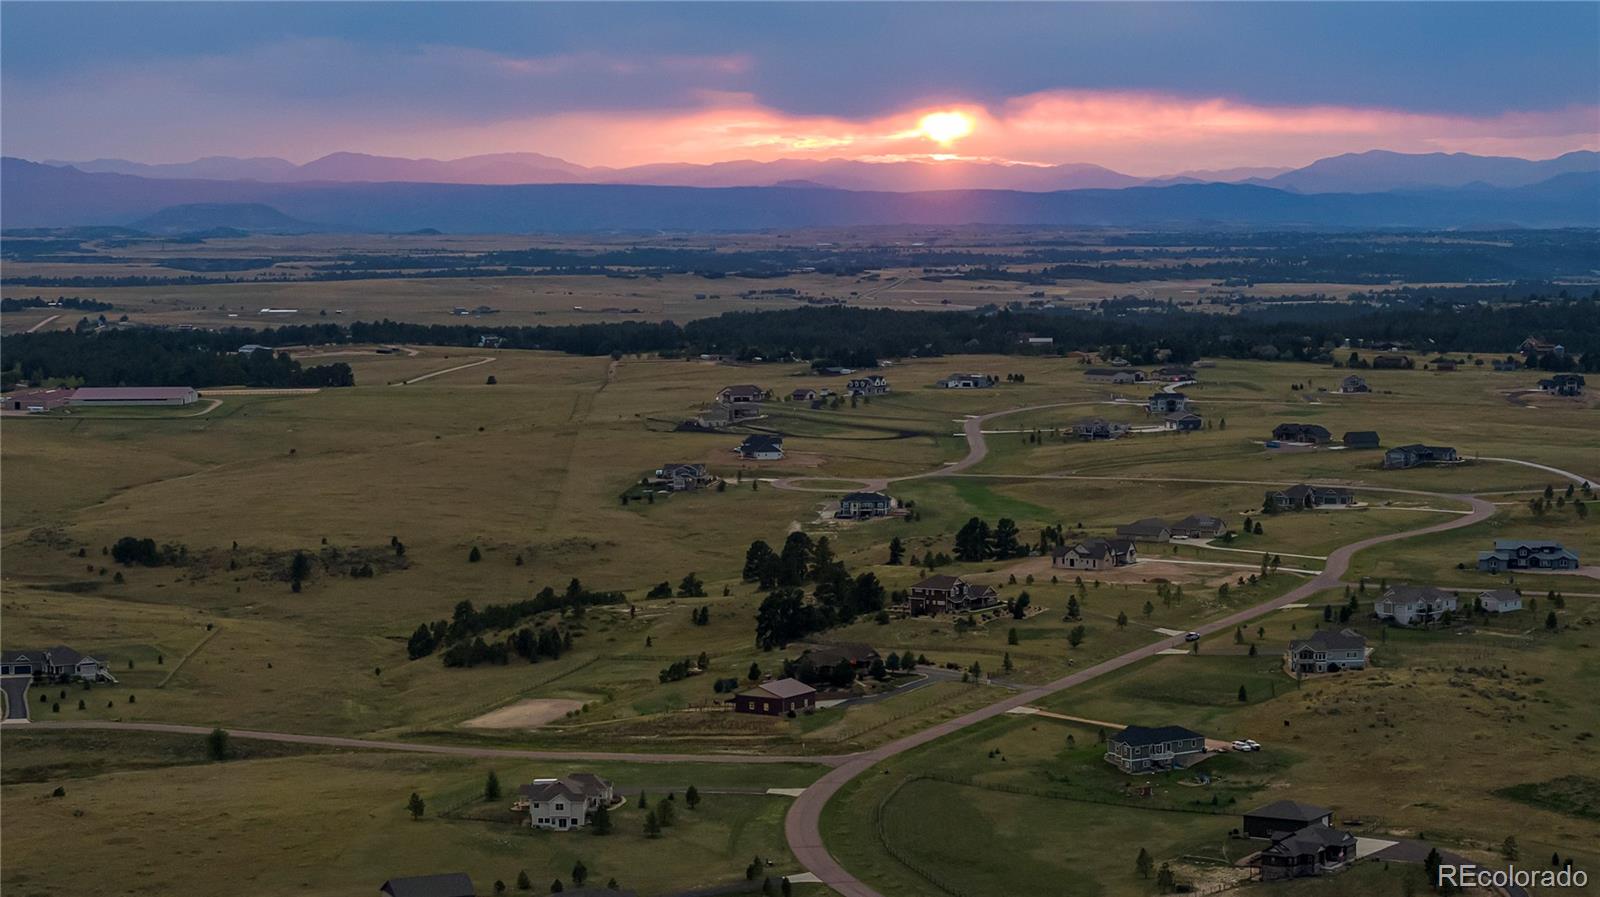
{"x":742,"y":401}
{"x":1099,"y":428}
{"x":682,"y":477}
{"x":1143,"y":749}
{"x":968,"y":381}
{"x":1527,"y":554}
{"x":1414,"y":605}
{"x":1167,"y":403}
{"x":565,"y":803}
{"x":942,"y":593}
{"x":1327,"y":652}
{"x":761,"y":447}
{"x":1095,"y":554}
{"x":870,"y":385}
{"x":862,"y":505}
{"x":1354,"y":384}
{"x":58,"y":664}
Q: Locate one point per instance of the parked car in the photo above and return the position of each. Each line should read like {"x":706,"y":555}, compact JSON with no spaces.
{"x":1241,"y":746}
{"x":1191,"y":636}
{"x":1254,"y":745}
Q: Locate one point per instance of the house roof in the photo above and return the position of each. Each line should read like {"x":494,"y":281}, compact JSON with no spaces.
{"x":1364,"y":437}
{"x":1200,"y":521}
{"x":1148,"y":526}
{"x":866,"y":496}
{"x":1417,"y":594}
{"x":744,"y":389}
{"x":1292,"y":810}
{"x":854,"y":652}
{"x":761,"y":441}
{"x":577,"y":785}
{"x":1535,"y":544}
{"x":1183,"y":415}
{"x":63,"y":656}
{"x":449,"y":884}
{"x":1312,"y":839}
{"x":130,"y":393}
{"x":1328,"y":640}
{"x":939,"y":582}
{"x":1141,"y":736}
{"x":782,"y":688}
{"x":1314,"y":430}
{"x":1096,"y":548}
{"x":1500,"y":594}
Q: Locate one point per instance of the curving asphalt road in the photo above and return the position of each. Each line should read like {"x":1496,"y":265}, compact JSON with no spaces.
{"x":802,"y":825}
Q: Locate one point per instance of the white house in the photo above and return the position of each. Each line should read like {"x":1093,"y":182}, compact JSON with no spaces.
{"x":1499,"y":601}
{"x":564,"y":803}
{"x":1412,"y":605}
{"x":760,"y":447}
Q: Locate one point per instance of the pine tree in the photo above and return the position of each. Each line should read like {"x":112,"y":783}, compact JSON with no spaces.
{"x":416,"y":805}
{"x":600,"y":821}
{"x":474,"y":555}
{"x":580,"y":873}
{"x":897,"y":551}
{"x":523,"y":882}
{"x":652,"y":825}
{"x":491,"y":787}
{"x":1142,"y":863}
{"x":691,"y":798}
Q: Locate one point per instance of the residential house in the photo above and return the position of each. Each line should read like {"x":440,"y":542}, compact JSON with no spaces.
{"x":968,"y":381}
{"x":1292,"y":432}
{"x":564,"y":803}
{"x":1563,"y":384}
{"x":58,"y":664}
{"x":684,"y":477}
{"x":803,"y":395}
{"x":1444,"y":364}
{"x":1150,"y":529}
{"x":1113,"y":375}
{"x":870,"y":385}
{"x":1099,"y":428}
{"x":1199,"y":526}
{"x":942,"y":593}
{"x":1507,"y":363}
{"x":1313,"y":850}
{"x":1301,"y":496}
{"x":449,"y":884}
{"x":1535,"y":346}
{"x":1354,"y":384}
{"x":1499,"y":601}
{"x":1095,"y":554}
{"x":714,"y":418}
{"x":858,"y":655}
{"x":1167,"y":403}
{"x":1391,"y":362}
{"x":742,"y":401}
{"x":776,"y":698}
{"x":1527,"y":554}
{"x":1174,"y":374}
{"x":1361,"y":439}
{"x":1403,"y":457}
{"x":1284,"y":817}
{"x":489,"y":341}
{"x":1326,"y":651}
{"x":861,"y":505}
{"x":1140,"y":749}
{"x":1184,"y":422}
{"x":1414,"y":605}
{"x":761,"y":447}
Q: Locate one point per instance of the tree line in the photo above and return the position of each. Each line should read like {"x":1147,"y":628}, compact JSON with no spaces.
{"x":461,"y":635}
{"x":836,"y":598}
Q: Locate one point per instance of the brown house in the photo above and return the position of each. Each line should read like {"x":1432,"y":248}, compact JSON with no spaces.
{"x":776,"y":698}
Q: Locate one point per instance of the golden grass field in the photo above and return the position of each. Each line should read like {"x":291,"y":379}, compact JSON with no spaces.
{"x":533,"y":467}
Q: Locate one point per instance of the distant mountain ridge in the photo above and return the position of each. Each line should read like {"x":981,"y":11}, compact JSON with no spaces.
{"x":35,"y":195}
{"x":1373,"y":171}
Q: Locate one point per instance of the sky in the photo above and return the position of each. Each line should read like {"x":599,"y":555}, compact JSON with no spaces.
{"x":1145,"y":88}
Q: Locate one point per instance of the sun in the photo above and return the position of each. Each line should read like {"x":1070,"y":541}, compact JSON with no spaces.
{"x":945,"y":128}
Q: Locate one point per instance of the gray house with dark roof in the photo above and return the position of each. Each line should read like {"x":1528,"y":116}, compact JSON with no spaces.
{"x":1142,"y":749}
{"x":861,"y":505}
{"x":1406,"y":605}
{"x":1095,"y":554}
{"x":1302,"y":497}
{"x":1150,"y":529}
{"x":1297,"y":432}
{"x":1284,"y":817}
{"x":776,"y":698}
{"x":1361,"y":439}
{"x":564,"y":803}
{"x":1316,"y":849}
{"x":1527,"y":554}
{"x":761,"y":447}
{"x":1327,"y":652}
{"x":1402,"y":457}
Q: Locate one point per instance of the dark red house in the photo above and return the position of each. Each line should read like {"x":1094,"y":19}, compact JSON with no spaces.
{"x":776,"y":698}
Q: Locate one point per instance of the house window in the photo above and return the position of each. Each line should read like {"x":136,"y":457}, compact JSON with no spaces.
{"x":560,"y":807}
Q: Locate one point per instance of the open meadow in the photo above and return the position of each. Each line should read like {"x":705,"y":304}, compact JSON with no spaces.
{"x":426,"y":485}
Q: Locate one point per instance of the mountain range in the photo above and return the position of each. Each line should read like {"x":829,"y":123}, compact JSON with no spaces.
{"x":38,"y":195}
{"x":1376,"y":170}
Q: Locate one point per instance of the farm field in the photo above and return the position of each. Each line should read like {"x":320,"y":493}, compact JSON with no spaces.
{"x":451,"y":489}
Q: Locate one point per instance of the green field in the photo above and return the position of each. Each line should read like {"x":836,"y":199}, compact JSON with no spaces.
{"x":530,"y":472}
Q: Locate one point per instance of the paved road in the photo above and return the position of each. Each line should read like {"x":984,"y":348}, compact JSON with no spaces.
{"x":448,"y":749}
{"x":1580,"y":480}
{"x":42,"y":323}
{"x":432,"y":374}
{"x":802,"y":825}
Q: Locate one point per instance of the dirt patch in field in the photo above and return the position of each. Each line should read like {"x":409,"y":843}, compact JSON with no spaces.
{"x":529,"y":714}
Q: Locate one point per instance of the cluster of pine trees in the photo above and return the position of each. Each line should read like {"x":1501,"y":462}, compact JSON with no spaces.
{"x":836,"y":598}
{"x":461,"y":635}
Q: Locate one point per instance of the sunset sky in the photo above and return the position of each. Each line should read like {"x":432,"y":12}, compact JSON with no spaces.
{"x":1144,"y":88}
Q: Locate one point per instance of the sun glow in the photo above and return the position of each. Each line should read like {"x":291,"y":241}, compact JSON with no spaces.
{"x":945,"y":128}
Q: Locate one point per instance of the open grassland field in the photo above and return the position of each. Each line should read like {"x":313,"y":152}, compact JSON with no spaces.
{"x":338,"y":823}
{"x":409,"y":475}
{"x":1071,"y":824}
{"x":222,"y":281}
